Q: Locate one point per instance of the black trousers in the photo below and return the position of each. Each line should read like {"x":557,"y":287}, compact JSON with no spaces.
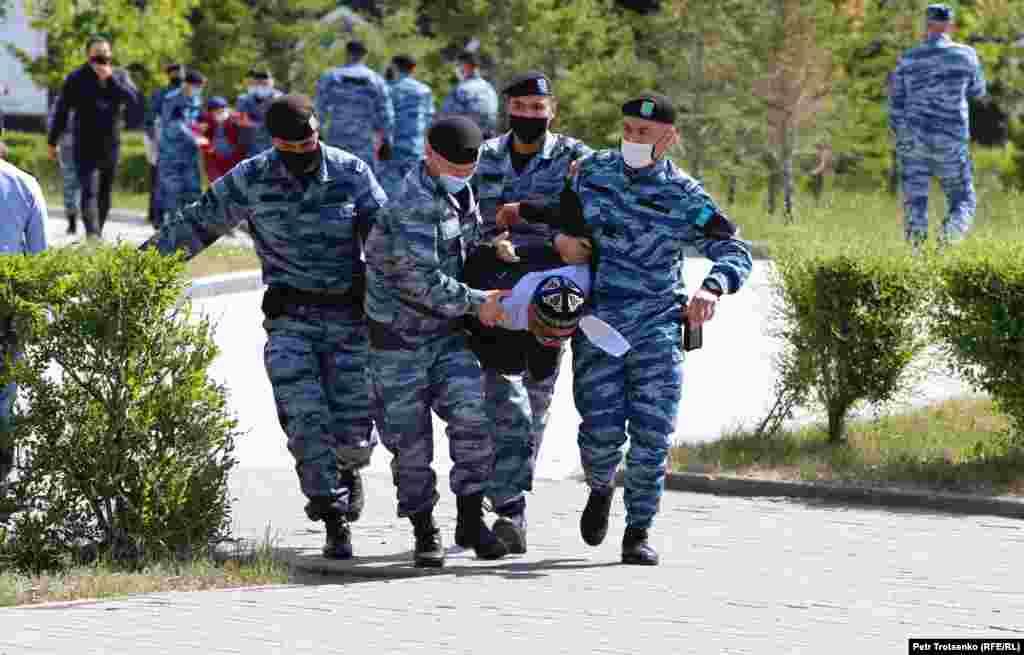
{"x":97,"y":180}
{"x":152,"y":215}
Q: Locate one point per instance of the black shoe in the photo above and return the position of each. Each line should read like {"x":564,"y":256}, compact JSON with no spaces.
{"x":429,"y":551}
{"x":594,"y":520}
{"x":356,"y":499}
{"x":475,"y":532}
{"x":511,"y":530}
{"x":72,"y":222}
{"x":636,"y":550}
{"x":339,"y":539}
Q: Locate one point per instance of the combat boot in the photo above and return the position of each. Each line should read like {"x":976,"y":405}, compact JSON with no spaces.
{"x":339,"y":538}
{"x":356,"y":499}
{"x":475,"y":532}
{"x":510,"y":527}
{"x":72,"y":222}
{"x":636,"y":550}
{"x":429,"y":551}
{"x":594,"y":520}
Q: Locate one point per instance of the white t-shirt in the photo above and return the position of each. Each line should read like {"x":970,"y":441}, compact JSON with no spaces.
{"x":517,"y":305}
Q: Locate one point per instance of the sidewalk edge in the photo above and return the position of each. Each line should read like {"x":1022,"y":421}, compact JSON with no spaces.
{"x":221,"y":285}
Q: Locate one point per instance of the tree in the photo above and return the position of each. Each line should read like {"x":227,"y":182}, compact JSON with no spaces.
{"x":222,"y":46}
{"x":146,"y":34}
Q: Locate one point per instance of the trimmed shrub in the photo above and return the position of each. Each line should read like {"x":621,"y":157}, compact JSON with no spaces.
{"x":979,"y":318}
{"x":851,"y":323}
{"x":127,"y":441}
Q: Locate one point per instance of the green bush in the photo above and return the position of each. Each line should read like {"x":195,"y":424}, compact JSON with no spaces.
{"x":979,"y":318}
{"x":128,"y":443}
{"x":850,"y":323}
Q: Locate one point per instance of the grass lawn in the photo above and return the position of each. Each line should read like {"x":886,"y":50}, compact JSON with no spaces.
{"x":217,"y":260}
{"x":243,"y":568}
{"x":959,"y":445}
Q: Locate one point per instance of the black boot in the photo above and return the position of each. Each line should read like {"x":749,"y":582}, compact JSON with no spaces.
{"x":90,"y":219}
{"x":356,"y":499}
{"x":429,"y":551}
{"x":474,"y":531}
{"x":510,"y":527}
{"x":72,"y":222}
{"x":594,"y":520}
{"x":636,"y":550}
{"x":339,"y":538}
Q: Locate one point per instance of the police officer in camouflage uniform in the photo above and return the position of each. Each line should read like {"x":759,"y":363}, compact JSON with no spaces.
{"x":178,"y":179}
{"x":309,"y":207}
{"x":69,"y":174}
{"x":419,"y":356}
{"x":151,"y":133}
{"x":473,"y":96}
{"x":355,"y":103}
{"x":928,"y":115}
{"x":642,"y":211}
{"x":414,"y":111}
{"x":529,"y":163}
{"x":252,"y":110}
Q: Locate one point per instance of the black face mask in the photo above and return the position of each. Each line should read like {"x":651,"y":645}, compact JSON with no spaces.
{"x":101,"y":59}
{"x":528,"y":130}
{"x":300,"y":164}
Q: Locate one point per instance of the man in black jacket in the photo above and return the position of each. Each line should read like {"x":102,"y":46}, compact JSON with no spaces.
{"x":98,"y":94}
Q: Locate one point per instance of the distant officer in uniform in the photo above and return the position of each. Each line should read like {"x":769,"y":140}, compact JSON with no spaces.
{"x":473,"y":96}
{"x":178,"y":177}
{"x":642,"y":211}
{"x":928,"y":115}
{"x":355,"y":104}
{"x":414,"y":111}
{"x":419,"y":357}
{"x":151,"y":132}
{"x":252,"y":110}
{"x":529,"y":163}
{"x":309,"y":208}
{"x":69,"y":174}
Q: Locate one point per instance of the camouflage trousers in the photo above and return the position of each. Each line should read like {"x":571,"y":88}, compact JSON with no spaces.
{"x":405,"y":385}
{"x":948,"y":160}
{"x":519,"y":408}
{"x":178,"y":182}
{"x":635,"y":396}
{"x":69,"y":177}
{"x":316,"y":361}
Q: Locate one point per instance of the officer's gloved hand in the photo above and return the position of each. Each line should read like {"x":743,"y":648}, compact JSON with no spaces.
{"x":385,"y":151}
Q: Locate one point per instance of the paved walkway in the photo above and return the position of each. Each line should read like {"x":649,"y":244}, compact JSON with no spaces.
{"x":737,"y":576}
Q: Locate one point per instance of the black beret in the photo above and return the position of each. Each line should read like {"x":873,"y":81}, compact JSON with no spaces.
{"x":355,"y":47}
{"x":291,"y":118}
{"x":260,"y":74}
{"x":403,"y":62}
{"x":456,"y":138}
{"x":652,"y":107}
{"x":194,"y":77}
{"x":467,"y":57}
{"x":530,"y":83}
{"x":939,"y":13}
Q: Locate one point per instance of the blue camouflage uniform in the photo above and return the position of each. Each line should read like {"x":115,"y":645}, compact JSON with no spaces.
{"x":151,"y":127}
{"x":69,"y":174}
{"x":475,"y":98}
{"x":353,"y":102}
{"x":498,"y":183}
{"x":414,"y":110}
{"x":928,"y":115}
{"x":254,"y":104}
{"x":178,"y":179}
{"x":308,"y":242}
{"x":641,"y":221}
{"x":419,"y":357}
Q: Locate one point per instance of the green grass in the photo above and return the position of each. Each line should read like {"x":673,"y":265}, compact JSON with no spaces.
{"x":960,"y":445}
{"x":244,"y":566}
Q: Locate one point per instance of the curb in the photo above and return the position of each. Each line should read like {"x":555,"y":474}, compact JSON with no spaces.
{"x":115,"y":215}
{"x":221,"y":285}
{"x":952,"y":503}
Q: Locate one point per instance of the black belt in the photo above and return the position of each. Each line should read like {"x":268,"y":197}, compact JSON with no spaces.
{"x":279,"y":300}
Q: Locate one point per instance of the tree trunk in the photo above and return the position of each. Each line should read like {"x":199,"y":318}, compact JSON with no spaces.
{"x":697,"y":82}
{"x":786,"y":151}
{"x":731,"y":188}
{"x":836,"y":424}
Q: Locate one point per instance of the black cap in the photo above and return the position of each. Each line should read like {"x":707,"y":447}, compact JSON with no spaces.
{"x":652,"y":107}
{"x":467,"y":57}
{"x":456,"y":138}
{"x":356,"y":48}
{"x":194,"y":77}
{"x":530,"y":83}
{"x":173,"y":68}
{"x":260,"y":74}
{"x":291,"y":118}
{"x":559,"y":302}
{"x":404,"y":63}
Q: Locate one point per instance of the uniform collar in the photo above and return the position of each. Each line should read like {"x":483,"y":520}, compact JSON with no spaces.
{"x":659,"y":168}
{"x":323,"y":175}
{"x":937,"y":38}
